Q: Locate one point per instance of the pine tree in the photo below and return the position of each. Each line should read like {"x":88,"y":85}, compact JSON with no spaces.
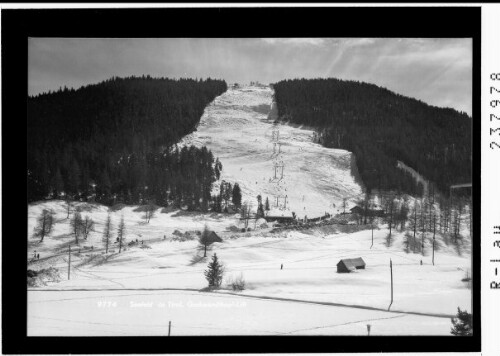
{"x":462,"y":324}
{"x":260,"y":207}
{"x":390,"y":219}
{"x":389,"y":127}
{"x":57,"y":184}
{"x":414,"y":223}
{"x":228,"y":192}
{"x":74,"y":179}
{"x":214,"y":272}
{"x":119,"y":138}
{"x":121,"y":234}
{"x":423,"y":223}
{"x":105,"y":186}
{"x":237,"y":195}
{"x":218,"y":169}
{"x":69,"y":205}
{"x":107,"y":233}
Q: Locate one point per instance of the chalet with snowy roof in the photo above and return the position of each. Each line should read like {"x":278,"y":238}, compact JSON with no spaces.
{"x":347,"y":265}
{"x":281,"y":216}
{"x":280,"y":219}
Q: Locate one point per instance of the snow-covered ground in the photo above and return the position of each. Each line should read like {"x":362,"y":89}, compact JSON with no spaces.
{"x":172,"y":271}
{"x":138,"y":291}
{"x":238,"y":128}
{"x":147,"y":313}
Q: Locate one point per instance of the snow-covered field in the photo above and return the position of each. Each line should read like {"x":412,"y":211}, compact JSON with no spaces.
{"x":238,"y":129}
{"x":121,"y":296}
{"x":146,"y":313}
{"x":138,"y":291}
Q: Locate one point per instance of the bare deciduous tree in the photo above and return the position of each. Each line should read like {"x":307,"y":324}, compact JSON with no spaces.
{"x":76,"y":226}
{"x":413,"y":222}
{"x":69,"y":205}
{"x":205,"y":239}
{"x":45,"y":224}
{"x":149,"y":212}
{"x":87,"y":227}
{"x":245,"y":212}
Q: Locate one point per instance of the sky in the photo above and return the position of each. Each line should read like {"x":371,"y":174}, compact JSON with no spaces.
{"x":436,"y":71}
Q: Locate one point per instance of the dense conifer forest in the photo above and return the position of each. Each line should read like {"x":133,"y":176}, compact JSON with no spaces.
{"x":115,"y":142}
{"x":381,"y":127}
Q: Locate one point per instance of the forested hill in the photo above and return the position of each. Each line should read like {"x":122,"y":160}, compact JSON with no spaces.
{"x":381,"y":127}
{"x":110,"y":135}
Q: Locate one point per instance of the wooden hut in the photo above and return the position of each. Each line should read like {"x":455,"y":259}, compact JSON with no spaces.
{"x":347,"y":265}
{"x":213,"y":237}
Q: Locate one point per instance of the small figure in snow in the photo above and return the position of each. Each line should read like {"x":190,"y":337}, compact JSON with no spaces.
{"x":142,"y":242}
{"x":38,"y":256}
{"x":282,"y":266}
{"x":164,"y":237}
{"x":421,"y":263}
{"x":137,"y":240}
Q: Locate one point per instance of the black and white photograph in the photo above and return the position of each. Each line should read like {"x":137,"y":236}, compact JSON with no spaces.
{"x":205,"y":188}
{"x":249,"y":186}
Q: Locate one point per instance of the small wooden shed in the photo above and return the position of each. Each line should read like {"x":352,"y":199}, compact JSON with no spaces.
{"x":213,"y":237}
{"x":347,"y":265}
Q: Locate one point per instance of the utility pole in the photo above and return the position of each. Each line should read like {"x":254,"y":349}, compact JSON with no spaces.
{"x":69,"y":259}
{"x":422,"y":220}
{"x":372,"y":236}
{"x":392,"y":295}
{"x":169,"y":326}
{"x":415,"y":226}
{"x":434,"y":239}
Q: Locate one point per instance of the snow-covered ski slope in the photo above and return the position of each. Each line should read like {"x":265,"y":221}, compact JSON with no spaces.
{"x":238,"y":126}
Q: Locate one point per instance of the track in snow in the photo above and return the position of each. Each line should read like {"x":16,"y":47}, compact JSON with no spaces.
{"x":193,"y":313}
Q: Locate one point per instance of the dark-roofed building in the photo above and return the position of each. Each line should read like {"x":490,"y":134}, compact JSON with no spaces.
{"x":280,"y":219}
{"x":357,"y":210}
{"x":350,"y":264}
{"x":370,"y":212}
{"x":213,"y":237}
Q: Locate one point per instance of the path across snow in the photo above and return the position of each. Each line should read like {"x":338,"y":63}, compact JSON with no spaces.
{"x":147,"y":313}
